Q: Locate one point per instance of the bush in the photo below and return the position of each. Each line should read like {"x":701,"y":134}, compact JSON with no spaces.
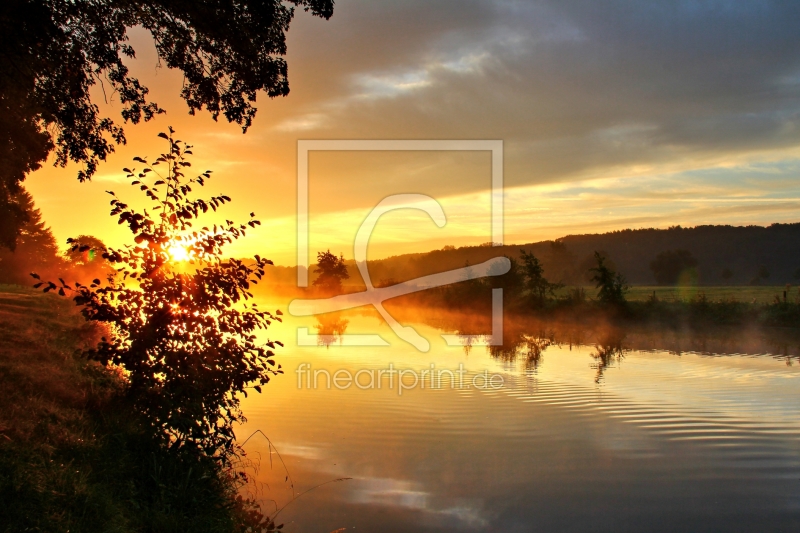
{"x":186,"y":348}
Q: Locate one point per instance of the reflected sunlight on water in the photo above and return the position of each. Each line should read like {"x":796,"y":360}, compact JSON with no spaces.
{"x":580,"y":437}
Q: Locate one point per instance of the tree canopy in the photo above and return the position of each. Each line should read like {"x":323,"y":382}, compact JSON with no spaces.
{"x":55,"y":51}
{"x":183,"y":333}
{"x":36,"y":247}
{"x":668,"y":265}
{"x":332,"y":271}
{"x":611,"y":285}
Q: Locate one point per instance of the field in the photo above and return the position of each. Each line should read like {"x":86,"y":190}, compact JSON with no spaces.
{"x":745,"y":294}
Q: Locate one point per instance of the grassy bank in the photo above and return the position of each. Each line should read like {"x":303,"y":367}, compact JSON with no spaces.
{"x":73,"y":456}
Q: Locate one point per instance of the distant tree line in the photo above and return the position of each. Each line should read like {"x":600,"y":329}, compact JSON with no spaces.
{"x":36,"y":250}
{"x":704,"y":255}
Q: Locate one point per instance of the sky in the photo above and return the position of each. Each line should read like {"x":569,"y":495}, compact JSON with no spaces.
{"x":613,"y":114}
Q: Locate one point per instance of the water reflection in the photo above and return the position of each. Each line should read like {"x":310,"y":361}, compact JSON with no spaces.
{"x":575,"y":441}
{"x":330,"y":328}
{"x":608,"y":351}
{"x":527,"y":340}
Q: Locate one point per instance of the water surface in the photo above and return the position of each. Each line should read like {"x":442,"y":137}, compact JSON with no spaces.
{"x":598,"y":431}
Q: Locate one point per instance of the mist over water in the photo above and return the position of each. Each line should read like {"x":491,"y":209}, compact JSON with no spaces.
{"x":594,"y":428}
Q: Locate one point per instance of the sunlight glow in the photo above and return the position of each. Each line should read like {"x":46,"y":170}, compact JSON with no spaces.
{"x":179,"y":252}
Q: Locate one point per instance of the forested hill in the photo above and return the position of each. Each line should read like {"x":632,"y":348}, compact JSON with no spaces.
{"x":724,"y":255}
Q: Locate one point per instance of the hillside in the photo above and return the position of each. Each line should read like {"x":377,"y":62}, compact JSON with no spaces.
{"x":750,"y":255}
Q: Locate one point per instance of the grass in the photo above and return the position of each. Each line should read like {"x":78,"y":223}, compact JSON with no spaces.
{"x":745,"y":294}
{"x":72,"y":456}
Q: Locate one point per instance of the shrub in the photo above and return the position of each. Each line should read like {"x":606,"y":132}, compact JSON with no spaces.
{"x":177,"y":330}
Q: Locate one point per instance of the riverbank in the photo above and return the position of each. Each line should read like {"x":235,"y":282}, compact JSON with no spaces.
{"x":73,"y":456}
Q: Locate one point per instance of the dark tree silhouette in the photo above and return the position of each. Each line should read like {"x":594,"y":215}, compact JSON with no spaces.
{"x":535,"y":284}
{"x":726,"y":274}
{"x":55,"y":51}
{"x":85,"y":250}
{"x":668,"y":265}
{"x":611,"y":285}
{"x":512,"y":280}
{"x":85,"y":257}
{"x":332,"y":271}
{"x":187,"y":340}
{"x":762,"y":274}
{"x":36,"y":247}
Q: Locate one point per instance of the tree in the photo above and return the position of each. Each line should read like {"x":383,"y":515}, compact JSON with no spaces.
{"x":36,"y":247}
{"x":535,"y":283}
{"x":668,"y":266}
{"x":727,"y":273}
{"x":584,"y":268}
{"x":762,"y":274}
{"x":611,"y":285}
{"x":332,"y":271}
{"x":186,"y":340}
{"x":55,"y":51}
{"x":85,"y":256}
{"x":512,"y":280}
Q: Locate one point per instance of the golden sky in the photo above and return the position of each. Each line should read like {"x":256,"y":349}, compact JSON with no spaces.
{"x":612,"y":115}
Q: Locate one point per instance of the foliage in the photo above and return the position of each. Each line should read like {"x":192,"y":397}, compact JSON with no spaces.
{"x":762,"y":274}
{"x":534,"y":281}
{"x":332,"y":271}
{"x":668,"y":265}
{"x":611,"y":285}
{"x":36,"y":247}
{"x":56,"y":51}
{"x":85,"y":259}
{"x":74,"y":455}
{"x":85,"y":250}
{"x":176,"y":330}
{"x":512,"y":281}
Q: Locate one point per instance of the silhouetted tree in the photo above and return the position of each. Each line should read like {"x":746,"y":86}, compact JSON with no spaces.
{"x":332,"y":271}
{"x":584,"y":269}
{"x":85,"y":250}
{"x":535,"y":283}
{"x":36,"y":247}
{"x":85,"y":256}
{"x":611,"y":285}
{"x":727,"y":274}
{"x":668,"y":265}
{"x":185,"y":339}
{"x":55,"y":51}
{"x":762,"y":274}
{"x":513,"y":280}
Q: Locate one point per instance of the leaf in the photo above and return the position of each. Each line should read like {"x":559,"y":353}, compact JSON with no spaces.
{"x":163,"y":135}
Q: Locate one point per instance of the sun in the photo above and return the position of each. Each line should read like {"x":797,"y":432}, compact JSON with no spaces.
{"x":179,"y":252}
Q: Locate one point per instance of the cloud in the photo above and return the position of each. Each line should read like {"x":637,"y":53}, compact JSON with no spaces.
{"x":572,"y":87}
{"x":673,"y":103}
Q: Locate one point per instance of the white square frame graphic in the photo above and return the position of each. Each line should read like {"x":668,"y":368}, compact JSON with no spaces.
{"x":306,"y":146}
